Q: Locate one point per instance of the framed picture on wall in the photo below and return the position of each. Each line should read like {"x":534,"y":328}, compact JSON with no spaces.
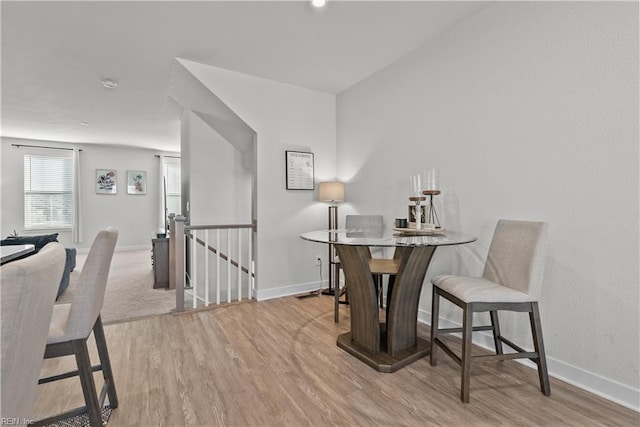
{"x":136,"y":182}
{"x":411,"y":214}
{"x":299,"y":170}
{"x":106,"y":181}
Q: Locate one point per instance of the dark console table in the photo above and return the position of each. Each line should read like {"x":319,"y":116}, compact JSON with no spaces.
{"x":160,"y":261}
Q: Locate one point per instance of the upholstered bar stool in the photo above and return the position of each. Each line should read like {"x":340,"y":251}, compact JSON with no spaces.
{"x":71,"y":326}
{"x":511,"y":281}
{"x":29,"y":289}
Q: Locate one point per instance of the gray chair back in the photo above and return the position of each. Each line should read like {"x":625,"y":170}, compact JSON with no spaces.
{"x":28,"y":294}
{"x":516,"y":255}
{"x":89,"y":295}
{"x":364,"y":225}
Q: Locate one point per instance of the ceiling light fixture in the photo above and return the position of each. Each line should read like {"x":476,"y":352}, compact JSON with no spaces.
{"x":318,"y":3}
{"x":109,"y":84}
{"x":85,"y":123}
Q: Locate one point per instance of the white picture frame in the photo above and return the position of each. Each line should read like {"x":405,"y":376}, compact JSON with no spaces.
{"x":136,"y":182}
{"x":106,"y":181}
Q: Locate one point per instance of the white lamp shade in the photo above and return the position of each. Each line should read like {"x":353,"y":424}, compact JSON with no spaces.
{"x":331,"y":192}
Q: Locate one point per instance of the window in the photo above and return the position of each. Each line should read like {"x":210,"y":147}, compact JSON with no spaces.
{"x":48,"y":191}
{"x":173,"y":184}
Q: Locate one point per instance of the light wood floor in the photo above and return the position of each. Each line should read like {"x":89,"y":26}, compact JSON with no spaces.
{"x":275,"y":363}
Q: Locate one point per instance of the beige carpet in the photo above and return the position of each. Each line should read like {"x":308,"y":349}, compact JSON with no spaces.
{"x":130,"y":294}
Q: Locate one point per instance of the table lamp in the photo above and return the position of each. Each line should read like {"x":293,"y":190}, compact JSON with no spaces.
{"x":332,"y":192}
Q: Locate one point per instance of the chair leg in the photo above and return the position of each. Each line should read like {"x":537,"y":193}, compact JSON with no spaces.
{"x":467,"y":332}
{"x":495,"y":323}
{"x":391,"y":281}
{"x":86,"y":380}
{"x":378,"y":281}
{"x":336,"y":302}
{"x":536,"y":331}
{"x":435,"y":314}
{"x":105,"y":362}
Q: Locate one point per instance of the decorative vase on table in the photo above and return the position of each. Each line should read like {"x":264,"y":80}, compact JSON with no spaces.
{"x":417,"y":182}
{"x":432,"y":188}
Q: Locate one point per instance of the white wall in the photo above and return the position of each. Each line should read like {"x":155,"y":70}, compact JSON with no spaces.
{"x":135,"y":216}
{"x":284,"y":118}
{"x":220,"y":188}
{"x":530,"y":110}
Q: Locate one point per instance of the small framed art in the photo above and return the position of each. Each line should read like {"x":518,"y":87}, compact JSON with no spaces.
{"x":299,"y":170}
{"x":136,"y":182}
{"x":106,"y":181}
{"x":411,"y":214}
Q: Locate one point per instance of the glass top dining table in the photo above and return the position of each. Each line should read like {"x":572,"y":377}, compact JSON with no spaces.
{"x":390,"y":345}
{"x":387,"y":238}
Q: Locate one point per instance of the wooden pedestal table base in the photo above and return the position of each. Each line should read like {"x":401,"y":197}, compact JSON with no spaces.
{"x":388,"y":346}
{"x":383,"y":361}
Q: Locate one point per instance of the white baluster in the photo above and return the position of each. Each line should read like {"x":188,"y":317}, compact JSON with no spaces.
{"x":194,"y":282}
{"x":239,"y":264}
{"x":206,"y":268}
{"x":218,"y":266}
{"x":228,"y":265}
{"x":250,"y":265}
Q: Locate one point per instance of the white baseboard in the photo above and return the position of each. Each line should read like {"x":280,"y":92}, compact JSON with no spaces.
{"x":285,"y":291}
{"x":606,"y":388}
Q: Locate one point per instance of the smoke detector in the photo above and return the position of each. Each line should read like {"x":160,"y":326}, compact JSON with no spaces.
{"x":109,"y":84}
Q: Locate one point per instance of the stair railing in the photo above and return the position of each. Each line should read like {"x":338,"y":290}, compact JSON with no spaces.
{"x":210,"y":264}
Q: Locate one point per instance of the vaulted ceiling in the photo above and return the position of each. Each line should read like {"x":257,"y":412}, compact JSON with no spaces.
{"x":56,"y":54}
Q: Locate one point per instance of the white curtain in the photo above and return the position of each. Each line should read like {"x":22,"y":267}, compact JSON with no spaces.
{"x":161,"y":207}
{"x":77,"y":198}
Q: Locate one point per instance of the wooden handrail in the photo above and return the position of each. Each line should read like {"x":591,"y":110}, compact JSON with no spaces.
{"x":217,"y":227}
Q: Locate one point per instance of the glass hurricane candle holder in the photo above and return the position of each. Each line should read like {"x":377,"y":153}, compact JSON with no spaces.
{"x":432,"y":180}
{"x":432,"y":189}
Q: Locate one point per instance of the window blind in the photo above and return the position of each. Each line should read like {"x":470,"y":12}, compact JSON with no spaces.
{"x":48,"y":191}
{"x":172,"y":173}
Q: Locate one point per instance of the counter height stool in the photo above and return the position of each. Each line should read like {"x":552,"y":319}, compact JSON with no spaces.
{"x":511,"y":281}
{"x":71,"y":326}
{"x":28,"y":292}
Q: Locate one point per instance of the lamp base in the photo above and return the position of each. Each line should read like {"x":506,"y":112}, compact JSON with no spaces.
{"x":310,"y":294}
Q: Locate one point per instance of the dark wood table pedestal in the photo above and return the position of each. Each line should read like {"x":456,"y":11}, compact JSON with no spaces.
{"x":393,"y":344}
